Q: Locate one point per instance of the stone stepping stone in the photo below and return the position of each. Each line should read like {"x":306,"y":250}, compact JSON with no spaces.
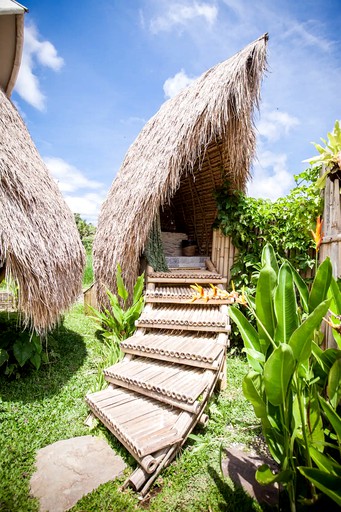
{"x":68,"y":470}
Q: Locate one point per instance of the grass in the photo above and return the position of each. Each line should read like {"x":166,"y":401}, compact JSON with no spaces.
{"x":46,"y":406}
{"x":88,"y":275}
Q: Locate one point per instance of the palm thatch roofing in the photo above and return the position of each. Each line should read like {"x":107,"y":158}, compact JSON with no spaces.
{"x":199,"y":139}
{"x":39,"y":243}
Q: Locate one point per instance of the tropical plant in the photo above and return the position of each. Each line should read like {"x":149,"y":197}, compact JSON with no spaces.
{"x":289,"y":372}
{"x":86,"y":231}
{"x":285,"y":223}
{"x":19,"y":348}
{"x":118,"y":322}
{"x":329,"y":156}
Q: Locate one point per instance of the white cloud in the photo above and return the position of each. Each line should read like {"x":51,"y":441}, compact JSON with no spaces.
{"x":181,"y":14}
{"x":275,"y":124}
{"x":87,"y":205}
{"x":68,"y":177}
{"x":271,"y":178}
{"x":304,"y":33}
{"x":84,"y":196}
{"x":35,"y":53}
{"x":175,"y":84}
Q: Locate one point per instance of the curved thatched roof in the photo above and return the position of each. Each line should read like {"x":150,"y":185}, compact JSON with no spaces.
{"x":209,"y":121}
{"x":39,"y":242}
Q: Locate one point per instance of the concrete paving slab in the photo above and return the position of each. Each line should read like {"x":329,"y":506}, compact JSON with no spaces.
{"x":70,"y":469}
{"x":241,"y":465}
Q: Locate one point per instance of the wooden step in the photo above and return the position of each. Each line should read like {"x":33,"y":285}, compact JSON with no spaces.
{"x":180,"y":295}
{"x":182,"y":348}
{"x":185,"y":317}
{"x":175,"y":384}
{"x":190,"y":277}
{"x":143,"y":425}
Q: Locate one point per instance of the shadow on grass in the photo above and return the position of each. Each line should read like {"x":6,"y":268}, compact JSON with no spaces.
{"x":237,"y":485}
{"x":66,"y":352}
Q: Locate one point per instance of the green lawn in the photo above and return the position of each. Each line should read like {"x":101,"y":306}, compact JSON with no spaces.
{"x":46,"y":406}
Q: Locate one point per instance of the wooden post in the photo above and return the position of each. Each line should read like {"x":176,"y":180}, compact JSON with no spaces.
{"x":331,"y":243}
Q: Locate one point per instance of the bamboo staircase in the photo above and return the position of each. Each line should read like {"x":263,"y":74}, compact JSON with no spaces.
{"x":158,"y":392}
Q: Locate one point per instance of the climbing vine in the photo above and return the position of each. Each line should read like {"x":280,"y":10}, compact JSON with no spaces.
{"x":285,"y":223}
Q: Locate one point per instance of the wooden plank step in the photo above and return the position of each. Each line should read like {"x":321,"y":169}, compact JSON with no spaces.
{"x":187,"y":279}
{"x":180,"y":295}
{"x":185,"y":317}
{"x":171,"y":383}
{"x":143,"y":425}
{"x":182,"y":348}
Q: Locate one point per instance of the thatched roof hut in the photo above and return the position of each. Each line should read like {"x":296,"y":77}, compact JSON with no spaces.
{"x":39,"y":243}
{"x":198,"y":139}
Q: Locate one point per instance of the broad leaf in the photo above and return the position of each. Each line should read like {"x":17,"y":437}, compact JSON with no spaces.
{"x":249,"y":335}
{"x":35,"y":359}
{"x":320,"y":285}
{"x":4,"y":356}
{"x":302,"y":288}
{"x":265,"y":476}
{"x":264,"y":303}
{"x":138,"y":288}
{"x":278,"y":371}
{"x":23,"y":351}
{"x":334,"y":383}
{"x":329,"y":484}
{"x":324,"y":462}
{"x":269,"y":257}
{"x":332,"y":416}
{"x":252,"y":392}
{"x":121,"y":289}
{"x":336,"y":294}
{"x":285,"y":305}
{"x":300,"y":340}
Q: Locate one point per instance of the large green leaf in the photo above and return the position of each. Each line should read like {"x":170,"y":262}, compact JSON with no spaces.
{"x":320,"y":285}
{"x":332,"y":416}
{"x":285,"y":305}
{"x":121,"y":289}
{"x":23,"y":350}
{"x":249,"y":335}
{"x":325,"y":462}
{"x":138,"y":288}
{"x":252,"y":392}
{"x":302,"y":288}
{"x":278,"y":371}
{"x":265,"y":304}
{"x":336,"y":294}
{"x":300,"y":340}
{"x":324,"y":361}
{"x":269,"y":257}
{"x":334,"y":383}
{"x":327,"y":483}
{"x":265,"y":476}
{"x":4,"y":356}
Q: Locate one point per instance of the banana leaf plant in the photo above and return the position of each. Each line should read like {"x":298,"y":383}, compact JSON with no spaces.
{"x":289,"y":371}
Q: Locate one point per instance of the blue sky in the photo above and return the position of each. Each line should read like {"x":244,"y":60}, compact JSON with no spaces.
{"x":95,"y":71}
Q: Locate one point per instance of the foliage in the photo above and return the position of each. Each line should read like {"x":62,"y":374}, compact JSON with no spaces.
{"x":88,"y":275}
{"x":285,"y":223}
{"x":118,"y":322}
{"x":86,"y":231}
{"x":19,"y":348}
{"x":329,"y":156}
{"x":290,"y":374}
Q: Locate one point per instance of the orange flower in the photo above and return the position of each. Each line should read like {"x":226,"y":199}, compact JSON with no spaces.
{"x":317,"y":234}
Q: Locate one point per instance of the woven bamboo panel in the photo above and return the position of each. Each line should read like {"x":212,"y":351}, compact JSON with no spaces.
{"x":173,"y":381}
{"x":143,"y":425}
{"x":185,"y":317}
{"x":203,"y":352}
{"x":179,"y":295}
{"x":172,"y":243}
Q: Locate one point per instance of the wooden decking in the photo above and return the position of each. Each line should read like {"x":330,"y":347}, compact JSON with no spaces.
{"x":158,"y":392}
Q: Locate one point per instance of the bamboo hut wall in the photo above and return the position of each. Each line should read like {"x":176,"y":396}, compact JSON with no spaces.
{"x":331,"y":243}
{"x":223,"y":253}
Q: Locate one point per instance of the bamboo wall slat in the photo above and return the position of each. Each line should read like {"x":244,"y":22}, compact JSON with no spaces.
{"x":223,"y":253}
